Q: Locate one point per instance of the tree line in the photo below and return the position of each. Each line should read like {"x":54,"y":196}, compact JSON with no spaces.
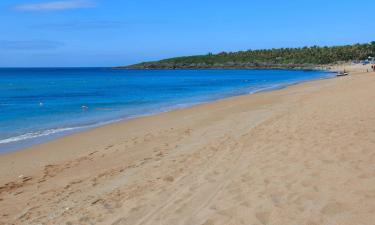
{"x":314,"y":55}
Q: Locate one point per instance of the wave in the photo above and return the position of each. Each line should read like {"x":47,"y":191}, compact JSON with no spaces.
{"x":37,"y":134}
{"x":44,"y":133}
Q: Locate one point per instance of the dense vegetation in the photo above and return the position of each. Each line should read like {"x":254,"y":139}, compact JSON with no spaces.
{"x":268,"y":58}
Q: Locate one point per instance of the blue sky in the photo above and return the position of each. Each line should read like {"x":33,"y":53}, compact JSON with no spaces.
{"x":50,"y":33}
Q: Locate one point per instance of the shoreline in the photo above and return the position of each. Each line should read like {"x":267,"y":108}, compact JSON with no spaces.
{"x":278,"y":157}
{"x":45,"y":136}
{"x":126,"y":122}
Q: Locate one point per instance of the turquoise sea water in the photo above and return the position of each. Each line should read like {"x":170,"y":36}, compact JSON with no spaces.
{"x":37,"y":105}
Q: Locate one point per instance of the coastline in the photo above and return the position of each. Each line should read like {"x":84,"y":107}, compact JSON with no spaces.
{"x":228,"y":159}
{"x":37,"y":137}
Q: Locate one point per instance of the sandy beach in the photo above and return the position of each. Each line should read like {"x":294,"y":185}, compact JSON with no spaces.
{"x":301,"y":155}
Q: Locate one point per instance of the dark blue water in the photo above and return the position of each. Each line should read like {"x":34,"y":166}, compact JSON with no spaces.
{"x":37,"y":105}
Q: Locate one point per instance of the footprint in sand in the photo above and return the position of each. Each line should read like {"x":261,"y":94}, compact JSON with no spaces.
{"x":169,"y":179}
{"x":108,"y":147}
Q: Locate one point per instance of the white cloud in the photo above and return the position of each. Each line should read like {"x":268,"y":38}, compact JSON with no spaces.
{"x":82,"y":25}
{"x":55,"y":5}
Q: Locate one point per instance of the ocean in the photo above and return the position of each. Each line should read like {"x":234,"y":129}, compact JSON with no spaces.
{"x":39,"y":105}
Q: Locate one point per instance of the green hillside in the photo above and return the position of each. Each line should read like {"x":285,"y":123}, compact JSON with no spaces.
{"x":266,"y":58}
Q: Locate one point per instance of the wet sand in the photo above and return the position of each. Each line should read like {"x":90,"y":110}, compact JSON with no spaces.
{"x":300,"y":155}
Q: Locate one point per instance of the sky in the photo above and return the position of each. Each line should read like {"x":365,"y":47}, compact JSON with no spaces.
{"x":96,"y":33}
